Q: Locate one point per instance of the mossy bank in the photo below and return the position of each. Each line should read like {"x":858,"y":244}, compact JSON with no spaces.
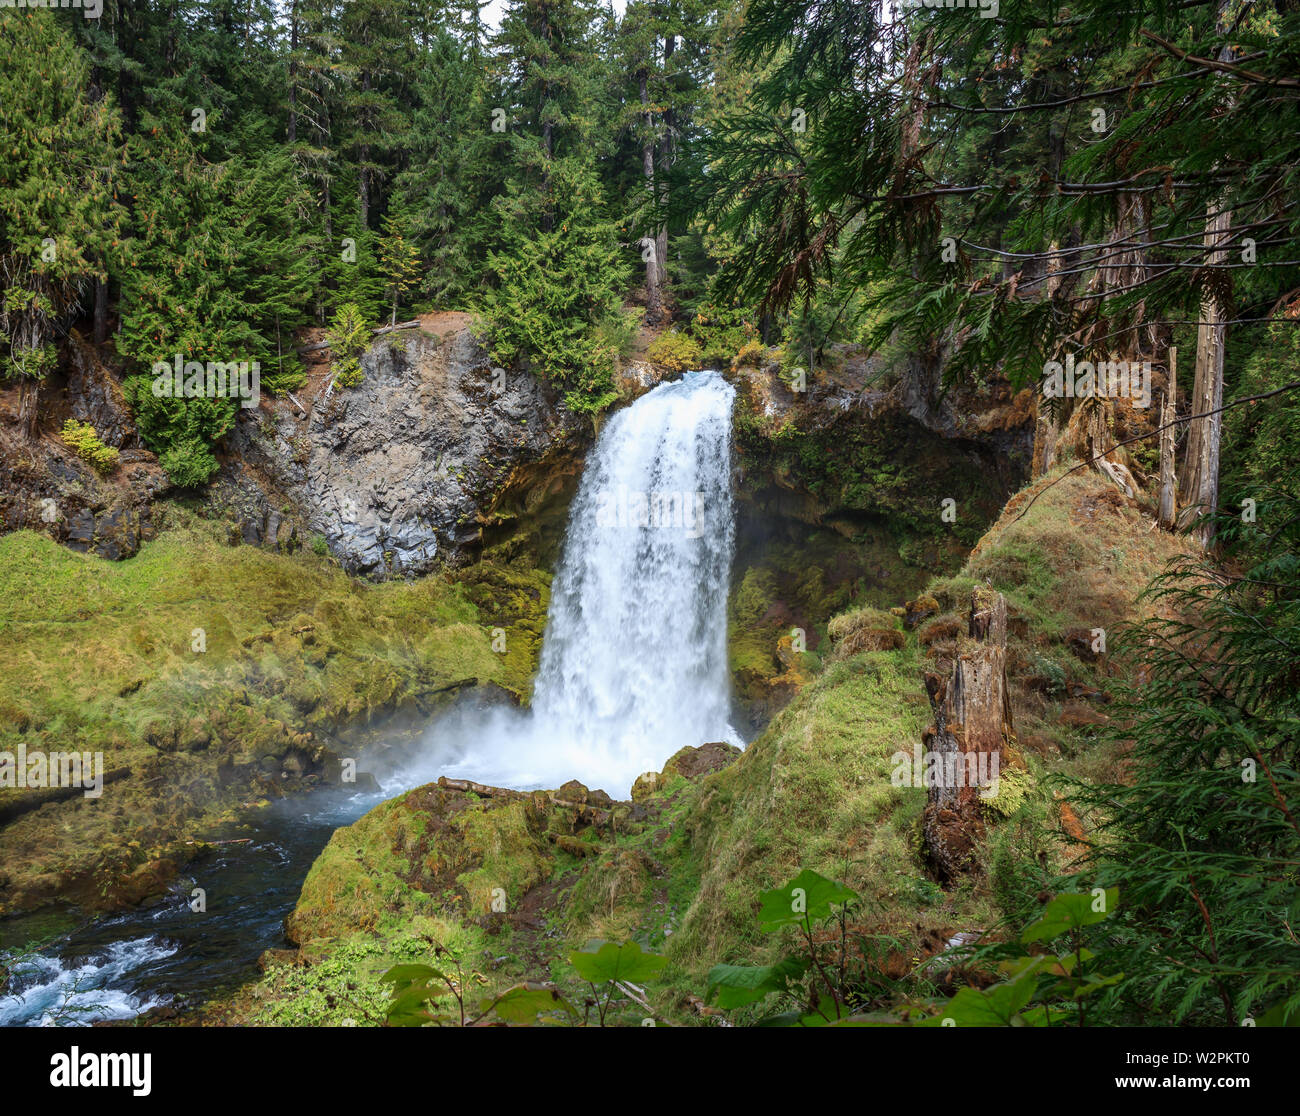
{"x":506,"y":884}
{"x":212,"y":677}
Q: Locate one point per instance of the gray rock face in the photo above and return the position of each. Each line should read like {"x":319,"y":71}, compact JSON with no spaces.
{"x":400,"y":472}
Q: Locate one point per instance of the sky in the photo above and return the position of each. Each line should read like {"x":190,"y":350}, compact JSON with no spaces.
{"x":492,"y":13}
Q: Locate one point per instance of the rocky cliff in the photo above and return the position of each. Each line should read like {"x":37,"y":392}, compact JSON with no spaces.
{"x":432,"y":455}
{"x":403,"y":472}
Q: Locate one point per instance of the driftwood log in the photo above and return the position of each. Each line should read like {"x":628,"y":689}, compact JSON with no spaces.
{"x":972,"y":728}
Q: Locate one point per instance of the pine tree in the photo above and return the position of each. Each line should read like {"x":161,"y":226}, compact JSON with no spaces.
{"x":557,"y":292}
{"x":398,"y":260}
{"x":59,"y":218}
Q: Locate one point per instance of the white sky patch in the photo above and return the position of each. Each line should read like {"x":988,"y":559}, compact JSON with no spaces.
{"x":493,"y":12}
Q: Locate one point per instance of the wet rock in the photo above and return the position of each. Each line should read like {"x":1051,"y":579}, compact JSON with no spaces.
{"x":404,"y":471}
{"x":46,"y":487}
{"x":272,"y":957}
{"x":695,"y":763}
{"x":646,"y":784}
{"x":573,"y":791}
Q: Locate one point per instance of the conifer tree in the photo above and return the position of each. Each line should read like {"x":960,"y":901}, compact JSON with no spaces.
{"x":59,"y":217}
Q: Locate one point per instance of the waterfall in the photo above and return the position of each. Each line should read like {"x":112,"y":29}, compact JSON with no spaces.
{"x":634,"y":656}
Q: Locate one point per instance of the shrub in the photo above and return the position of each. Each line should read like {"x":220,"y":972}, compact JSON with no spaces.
{"x":678,"y":351}
{"x":81,"y":437}
{"x":188,"y":464}
{"x":722,"y":332}
{"x":348,"y":336}
{"x":751,"y":352}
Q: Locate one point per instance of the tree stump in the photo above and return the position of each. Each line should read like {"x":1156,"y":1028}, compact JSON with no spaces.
{"x":971,"y":731}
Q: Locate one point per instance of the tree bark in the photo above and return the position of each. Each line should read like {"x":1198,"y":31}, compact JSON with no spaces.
{"x":100,"y":332}
{"x":1168,"y":512}
{"x":29,"y":394}
{"x":653,"y":299}
{"x":972,"y":723}
{"x":1198,"y":488}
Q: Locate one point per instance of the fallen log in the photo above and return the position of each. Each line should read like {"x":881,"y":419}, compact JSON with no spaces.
{"x":468,"y":786}
{"x":374,"y":333}
{"x":587,"y":814}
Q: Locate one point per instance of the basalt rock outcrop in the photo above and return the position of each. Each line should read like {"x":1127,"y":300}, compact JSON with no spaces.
{"x":406,"y":470}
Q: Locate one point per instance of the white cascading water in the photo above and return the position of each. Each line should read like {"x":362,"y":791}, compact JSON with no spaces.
{"x":634,"y":658}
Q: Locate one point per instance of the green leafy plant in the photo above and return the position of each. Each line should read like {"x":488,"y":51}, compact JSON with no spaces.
{"x":678,"y":351}
{"x":424,"y":995}
{"x":1037,"y":974}
{"x":348,"y":336}
{"x":611,"y":968}
{"x":807,"y":901}
{"x":81,"y":437}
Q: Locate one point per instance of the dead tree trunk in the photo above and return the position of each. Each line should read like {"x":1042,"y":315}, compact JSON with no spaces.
{"x":1047,"y":421}
{"x":1168,"y":513}
{"x":653,"y":299}
{"x":972,"y":728}
{"x":1198,"y":488}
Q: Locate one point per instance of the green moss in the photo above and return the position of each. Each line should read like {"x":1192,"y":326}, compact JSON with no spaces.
{"x":185,"y":664}
{"x":512,"y":601}
{"x":814,"y":790}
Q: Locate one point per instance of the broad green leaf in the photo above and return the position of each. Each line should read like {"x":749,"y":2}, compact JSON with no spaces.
{"x":525,"y":1002}
{"x":1069,"y":912}
{"x":997,"y":1006}
{"x":617,"y":962}
{"x":410,"y":1006}
{"x":737,"y":985}
{"x":809,"y":895}
{"x":408,"y":974}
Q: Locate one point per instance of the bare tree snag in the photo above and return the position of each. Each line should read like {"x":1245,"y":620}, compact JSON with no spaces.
{"x":1047,"y":431}
{"x":971,"y":733}
{"x":1168,"y":512}
{"x":653,"y":298}
{"x":1198,"y":488}
{"x":1093,"y":429}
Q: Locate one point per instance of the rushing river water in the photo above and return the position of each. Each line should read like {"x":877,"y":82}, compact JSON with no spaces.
{"x":633,"y":668}
{"x":118,"y":967}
